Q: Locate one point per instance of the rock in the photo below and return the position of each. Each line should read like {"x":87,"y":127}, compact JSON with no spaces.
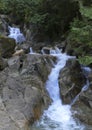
{"x":45,"y":50}
{"x":19,"y":52}
{"x":90,"y":77}
{"x":3,"y":63}
{"x":23,"y":96}
{"x":71,"y":80}
{"x":39,"y":64}
{"x":83,"y":107}
{"x":7,"y":46}
{"x":3,"y":25}
{"x":14,"y":63}
{"x":24,"y":46}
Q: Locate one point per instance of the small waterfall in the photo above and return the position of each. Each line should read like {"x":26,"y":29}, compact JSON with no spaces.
{"x":16,"y":34}
{"x":31,"y":51}
{"x":58,"y":116}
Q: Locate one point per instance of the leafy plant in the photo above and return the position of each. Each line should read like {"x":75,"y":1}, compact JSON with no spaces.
{"x":80,"y":35}
{"x":86,"y":11}
{"x":86,"y":60}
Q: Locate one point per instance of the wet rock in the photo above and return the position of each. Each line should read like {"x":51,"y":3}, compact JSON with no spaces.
{"x":7,"y":46}
{"x":71,"y":80}
{"x":45,"y":50}
{"x":83,"y":107}
{"x":90,"y":77}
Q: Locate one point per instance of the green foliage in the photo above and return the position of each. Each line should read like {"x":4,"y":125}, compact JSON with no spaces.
{"x":86,"y":11}
{"x":80,"y":35}
{"x":2,"y":6}
{"x":86,"y":2}
{"x":81,"y":32}
{"x":23,"y":10}
{"x":53,"y":16}
{"x":86,"y":60}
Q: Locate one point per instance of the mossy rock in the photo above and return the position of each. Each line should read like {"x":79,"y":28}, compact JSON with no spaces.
{"x":7,"y":46}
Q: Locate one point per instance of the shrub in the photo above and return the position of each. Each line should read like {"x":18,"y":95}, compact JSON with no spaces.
{"x":49,"y":15}
{"x":80,"y":35}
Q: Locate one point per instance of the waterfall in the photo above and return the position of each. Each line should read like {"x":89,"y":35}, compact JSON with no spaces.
{"x":31,"y":51}
{"x":57,"y":116}
{"x":16,"y":34}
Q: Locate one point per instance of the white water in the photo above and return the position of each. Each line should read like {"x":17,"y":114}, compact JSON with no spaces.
{"x":16,"y":34}
{"x":31,"y":51}
{"x":58,"y":116}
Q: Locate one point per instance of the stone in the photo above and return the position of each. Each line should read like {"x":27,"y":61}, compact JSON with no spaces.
{"x":45,"y":50}
{"x":71,"y":80}
{"x":3,"y":25}
{"x":7,"y":46}
{"x":19,"y":52}
{"x":3,"y":63}
{"x":83,"y":107}
{"x":23,"y":96}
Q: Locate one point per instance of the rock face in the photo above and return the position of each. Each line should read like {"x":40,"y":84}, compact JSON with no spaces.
{"x":7,"y":46}
{"x":22,"y":93}
{"x":3,"y":25}
{"x":3,"y":63}
{"x":71,"y":80}
{"x":83,"y":106}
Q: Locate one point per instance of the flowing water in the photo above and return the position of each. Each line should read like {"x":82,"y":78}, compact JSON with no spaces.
{"x":57,"y":116}
{"x":16,"y":34}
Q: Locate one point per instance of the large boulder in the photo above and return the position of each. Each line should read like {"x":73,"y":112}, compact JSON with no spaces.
{"x":83,"y":107}
{"x":71,"y":80}
{"x":23,"y":96}
{"x":7,"y":46}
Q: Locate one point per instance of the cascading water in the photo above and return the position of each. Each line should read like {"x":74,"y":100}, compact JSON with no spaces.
{"x":58,"y":116}
{"x":16,"y":34}
{"x":31,"y":51}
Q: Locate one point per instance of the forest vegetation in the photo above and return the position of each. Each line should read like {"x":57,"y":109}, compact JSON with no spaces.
{"x":47,"y":15}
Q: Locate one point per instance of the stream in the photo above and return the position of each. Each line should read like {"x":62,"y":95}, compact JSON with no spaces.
{"x":57,"y":116}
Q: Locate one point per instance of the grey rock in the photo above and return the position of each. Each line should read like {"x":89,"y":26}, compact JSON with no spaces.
{"x":83,"y":106}
{"x":23,"y":96}
{"x":71,"y":80}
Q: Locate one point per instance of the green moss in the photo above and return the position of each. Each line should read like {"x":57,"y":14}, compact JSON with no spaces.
{"x":7,"y":46}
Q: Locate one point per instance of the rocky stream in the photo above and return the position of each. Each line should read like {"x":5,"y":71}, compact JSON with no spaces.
{"x":43,"y":88}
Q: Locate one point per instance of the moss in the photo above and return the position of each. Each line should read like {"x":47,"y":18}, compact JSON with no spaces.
{"x":7,"y":46}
